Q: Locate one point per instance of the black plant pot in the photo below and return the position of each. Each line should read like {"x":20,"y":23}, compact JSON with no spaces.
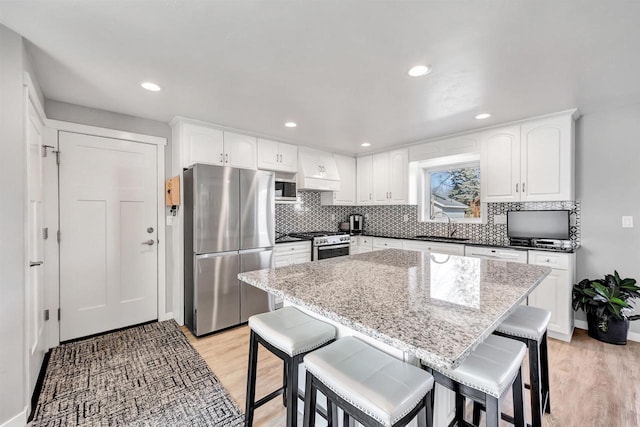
{"x":616,"y":330}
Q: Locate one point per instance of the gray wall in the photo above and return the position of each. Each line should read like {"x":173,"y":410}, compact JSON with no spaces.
{"x":93,"y":117}
{"x":12,"y":231}
{"x":608,"y":186}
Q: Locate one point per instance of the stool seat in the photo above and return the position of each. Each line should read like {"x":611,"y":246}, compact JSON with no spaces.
{"x":381,"y":386}
{"x":491,"y":367}
{"x":526,"y":322}
{"x":290,"y":330}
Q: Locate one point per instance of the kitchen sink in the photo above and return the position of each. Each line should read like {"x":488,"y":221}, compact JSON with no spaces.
{"x":442,"y":238}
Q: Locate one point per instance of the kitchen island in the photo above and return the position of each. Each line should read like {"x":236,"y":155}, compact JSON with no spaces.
{"x":428,"y":306}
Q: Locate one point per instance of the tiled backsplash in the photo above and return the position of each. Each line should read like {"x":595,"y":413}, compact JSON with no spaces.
{"x":310,"y":215}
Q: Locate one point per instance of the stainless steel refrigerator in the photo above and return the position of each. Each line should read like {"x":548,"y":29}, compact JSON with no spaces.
{"x":229,"y":221}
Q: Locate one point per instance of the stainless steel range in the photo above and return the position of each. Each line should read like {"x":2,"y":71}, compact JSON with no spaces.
{"x":326,"y":244}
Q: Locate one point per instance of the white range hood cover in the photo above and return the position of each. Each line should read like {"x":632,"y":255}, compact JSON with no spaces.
{"x":317,"y":170}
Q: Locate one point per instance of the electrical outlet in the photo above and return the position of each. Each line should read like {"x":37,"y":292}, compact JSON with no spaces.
{"x":333,"y":217}
{"x":500,"y":219}
{"x":627,"y":222}
{"x":405,"y":218}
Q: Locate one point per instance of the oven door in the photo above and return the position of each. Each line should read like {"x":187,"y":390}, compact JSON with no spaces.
{"x":330,"y":251}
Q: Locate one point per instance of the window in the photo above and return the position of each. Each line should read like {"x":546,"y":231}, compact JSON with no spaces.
{"x":451,"y":186}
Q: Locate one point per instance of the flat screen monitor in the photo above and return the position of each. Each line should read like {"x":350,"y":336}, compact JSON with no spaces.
{"x":538,"y":224}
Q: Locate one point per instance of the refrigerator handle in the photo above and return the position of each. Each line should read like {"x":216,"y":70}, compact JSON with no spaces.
{"x":249,"y":251}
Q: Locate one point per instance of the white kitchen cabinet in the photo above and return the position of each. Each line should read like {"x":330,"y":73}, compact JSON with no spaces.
{"x":198,"y":142}
{"x":387,"y":179}
{"x":291,"y":253}
{"x":365,"y":244}
{"x":554,"y":293}
{"x":277,"y":156}
{"x":381,"y":243}
{"x":240,"y":151}
{"x":363,"y":180}
{"x":531,"y":161}
{"x":317,"y":164}
{"x":347,"y":194}
{"x":439,"y":247}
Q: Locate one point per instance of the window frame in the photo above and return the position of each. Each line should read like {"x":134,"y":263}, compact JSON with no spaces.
{"x":426,"y":167}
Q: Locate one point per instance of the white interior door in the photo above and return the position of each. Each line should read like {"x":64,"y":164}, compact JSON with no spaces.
{"x":34,"y":289}
{"x":108,"y":225}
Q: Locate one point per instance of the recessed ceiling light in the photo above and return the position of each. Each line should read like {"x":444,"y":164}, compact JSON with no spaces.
{"x":365,"y":144}
{"x":419,"y":70}
{"x":483,"y":116}
{"x":151,"y":86}
{"x":291,"y":124}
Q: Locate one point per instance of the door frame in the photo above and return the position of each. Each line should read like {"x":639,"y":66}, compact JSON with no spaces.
{"x":52,"y":130}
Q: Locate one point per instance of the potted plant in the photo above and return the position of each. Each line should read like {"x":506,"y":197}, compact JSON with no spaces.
{"x":605,"y":302}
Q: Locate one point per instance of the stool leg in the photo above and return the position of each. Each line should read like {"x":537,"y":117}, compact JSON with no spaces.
{"x":428,"y":404}
{"x":329,"y":413}
{"x":284,"y":383}
{"x":544,"y":367}
{"x":459,"y":408}
{"x":251,"y":380}
{"x":534,"y":379}
{"x":292,"y":392}
{"x":492,"y":412}
{"x":309,"y":402}
{"x":476,"y":413}
{"x":518,"y":401}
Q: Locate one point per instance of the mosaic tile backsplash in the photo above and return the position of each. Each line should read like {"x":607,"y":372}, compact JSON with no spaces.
{"x":310,"y":215}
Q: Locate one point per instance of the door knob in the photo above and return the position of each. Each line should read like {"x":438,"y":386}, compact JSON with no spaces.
{"x":149,"y":242}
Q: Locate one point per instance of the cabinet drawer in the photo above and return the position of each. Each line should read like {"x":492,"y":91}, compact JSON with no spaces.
{"x":365,"y":241}
{"x":549,"y":259}
{"x":381,"y":243}
{"x":293,"y":247}
{"x":300,"y":258}
{"x":445,"y":248}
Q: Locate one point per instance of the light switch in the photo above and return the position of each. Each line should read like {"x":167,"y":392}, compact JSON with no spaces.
{"x":406,"y":218}
{"x":627,"y":222}
{"x":500,"y":219}
{"x":333,"y":217}
{"x":169,"y":219}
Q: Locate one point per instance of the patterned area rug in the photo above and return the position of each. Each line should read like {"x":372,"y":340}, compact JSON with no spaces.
{"x":147,"y":375}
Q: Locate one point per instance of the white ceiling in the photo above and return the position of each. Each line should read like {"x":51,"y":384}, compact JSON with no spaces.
{"x":337,"y":68}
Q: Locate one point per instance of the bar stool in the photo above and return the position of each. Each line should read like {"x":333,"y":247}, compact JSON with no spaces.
{"x":485,"y":377}
{"x":369,"y":385}
{"x":529,"y":325}
{"x":289,"y":334}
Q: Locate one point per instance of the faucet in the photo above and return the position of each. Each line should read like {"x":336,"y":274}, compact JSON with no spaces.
{"x":450,"y":232}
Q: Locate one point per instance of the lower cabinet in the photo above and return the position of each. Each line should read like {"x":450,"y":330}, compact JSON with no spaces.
{"x":443,"y":248}
{"x":381,"y":243}
{"x":554,"y":293}
{"x":290,"y":253}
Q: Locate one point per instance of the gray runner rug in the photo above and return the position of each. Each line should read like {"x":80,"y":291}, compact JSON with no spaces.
{"x":148,"y":375}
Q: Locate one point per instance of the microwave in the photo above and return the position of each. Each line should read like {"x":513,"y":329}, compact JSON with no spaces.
{"x":286,"y":191}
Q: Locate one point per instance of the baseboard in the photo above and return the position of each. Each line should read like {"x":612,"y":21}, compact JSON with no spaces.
{"x":631,"y":336}
{"x":165,"y":316}
{"x":559,"y":336}
{"x":20,"y":420}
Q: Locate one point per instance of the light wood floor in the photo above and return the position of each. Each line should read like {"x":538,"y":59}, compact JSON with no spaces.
{"x":592,"y":383}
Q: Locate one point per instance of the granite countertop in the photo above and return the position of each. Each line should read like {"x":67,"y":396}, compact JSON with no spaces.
{"x":471,"y":242}
{"x":288,"y":239}
{"x":436,"y":307}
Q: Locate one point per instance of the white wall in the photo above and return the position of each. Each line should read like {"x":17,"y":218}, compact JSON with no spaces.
{"x":12,"y":226}
{"x":93,"y":117}
{"x":608,"y":187}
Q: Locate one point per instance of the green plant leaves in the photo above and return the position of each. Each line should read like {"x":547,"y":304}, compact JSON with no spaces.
{"x":605,"y":297}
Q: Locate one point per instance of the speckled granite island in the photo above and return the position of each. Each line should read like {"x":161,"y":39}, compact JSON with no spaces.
{"x":429,"y":306}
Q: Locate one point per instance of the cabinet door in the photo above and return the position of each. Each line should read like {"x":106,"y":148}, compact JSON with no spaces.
{"x":309,"y":162}
{"x":552,"y":295}
{"x":329,"y":167}
{"x":288,"y":157}
{"x":282,"y":260}
{"x":363,"y":180}
{"x":240,"y":150}
{"x":380,"y":174}
{"x":500,"y":165}
{"x":202,"y":145}
{"x":398,"y":176}
{"x":301,"y":258}
{"x":347,"y":170}
{"x":268,"y":155}
{"x":547,"y":159}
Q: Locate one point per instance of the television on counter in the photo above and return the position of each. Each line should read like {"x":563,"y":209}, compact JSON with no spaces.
{"x":546,"y":224}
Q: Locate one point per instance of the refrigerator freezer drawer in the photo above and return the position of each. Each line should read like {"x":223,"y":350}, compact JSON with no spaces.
{"x":217,"y":292}
{"x":254,"y":300}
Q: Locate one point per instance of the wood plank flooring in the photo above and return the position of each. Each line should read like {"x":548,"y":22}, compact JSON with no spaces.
{"x":592,"y":383}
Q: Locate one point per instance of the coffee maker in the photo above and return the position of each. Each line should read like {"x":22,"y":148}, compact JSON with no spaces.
{"x":356,"y":223}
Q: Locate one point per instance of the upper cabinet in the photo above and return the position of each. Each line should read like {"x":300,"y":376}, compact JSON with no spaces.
{"x":532,"y":161}
{"x":196,"y":142}
{"x":277,"y":156}
{"x":384,"y":178}
{"x":347,"y":194}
